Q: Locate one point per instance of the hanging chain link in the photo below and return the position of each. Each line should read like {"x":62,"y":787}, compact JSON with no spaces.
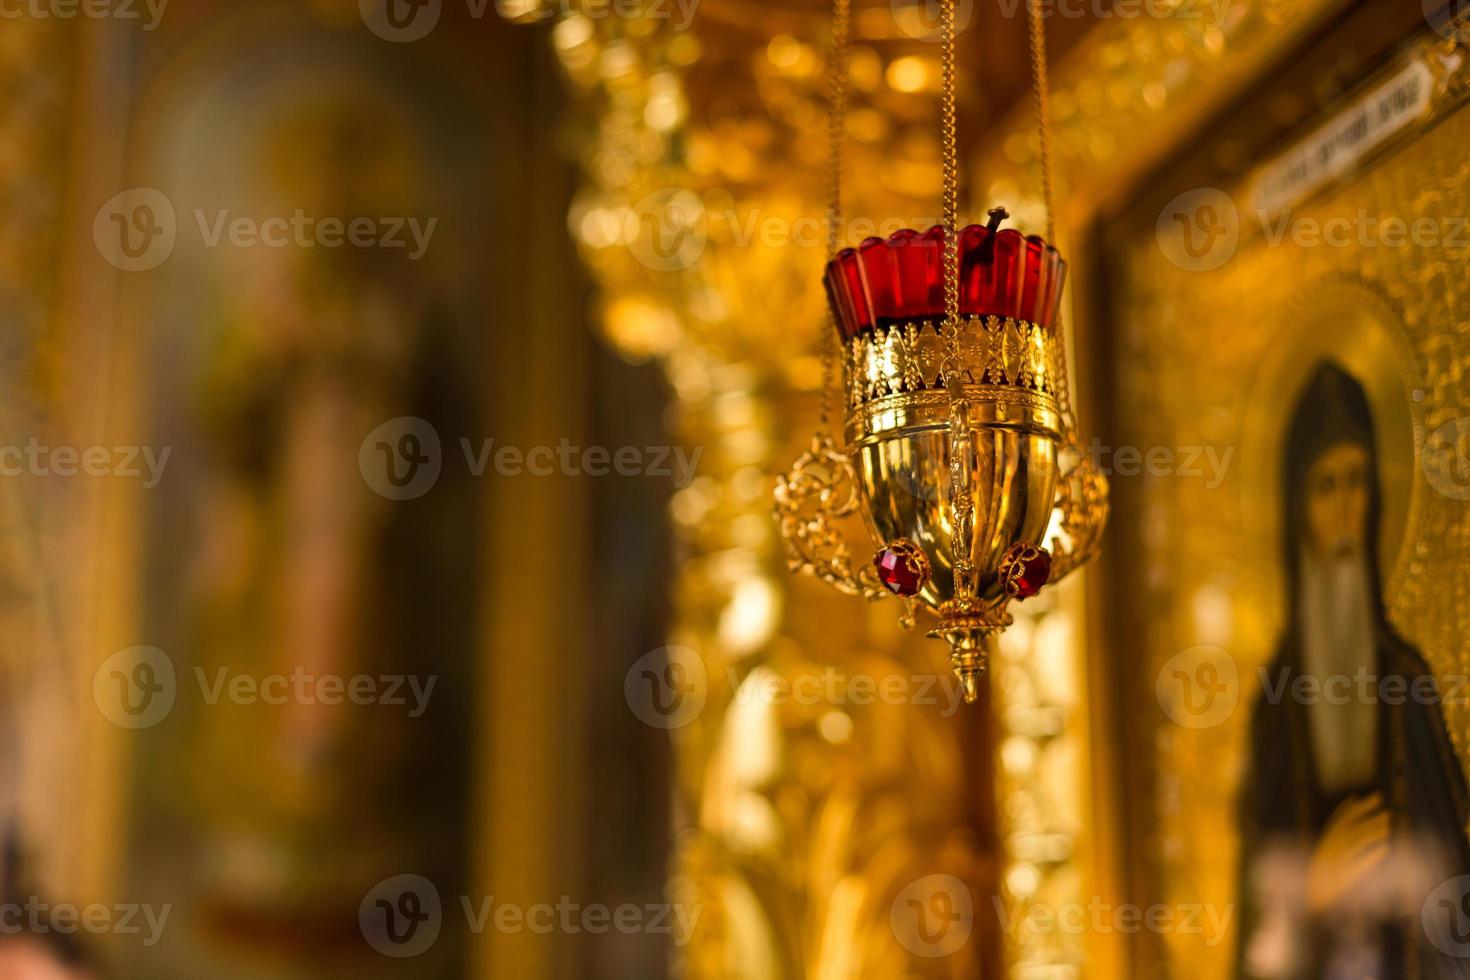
{"x":1082,"y":494}
{"x":821,"y":489}
{"x":1041,"y":92}
{"x":836,"y":136}
{"x":950,"y":201}
{"x":1041,"y":95}
{"x":821,"y":486}
{"x":961,"y":504}
{"x":949,"y":151}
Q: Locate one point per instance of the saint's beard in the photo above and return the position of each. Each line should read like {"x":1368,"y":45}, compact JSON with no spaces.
{"x":1336,"y":620}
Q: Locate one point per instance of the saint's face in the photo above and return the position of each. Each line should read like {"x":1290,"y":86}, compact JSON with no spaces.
{"x":1337,"y":500}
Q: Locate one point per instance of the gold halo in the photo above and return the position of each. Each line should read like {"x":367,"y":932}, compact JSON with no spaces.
{"x":1345,"y":319}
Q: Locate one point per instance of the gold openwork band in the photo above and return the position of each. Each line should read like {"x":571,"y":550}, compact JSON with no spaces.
{"x":909,"y":358}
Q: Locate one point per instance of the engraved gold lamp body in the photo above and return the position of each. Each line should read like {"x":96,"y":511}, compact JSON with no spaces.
{"x":954,"y":442}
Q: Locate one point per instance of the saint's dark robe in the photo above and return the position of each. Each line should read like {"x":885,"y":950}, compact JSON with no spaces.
{"x":1418,"y":777}
{"x":1417,"y":774}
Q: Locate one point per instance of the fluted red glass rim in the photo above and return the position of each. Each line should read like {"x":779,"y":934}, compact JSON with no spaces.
{"x":900,"y":279}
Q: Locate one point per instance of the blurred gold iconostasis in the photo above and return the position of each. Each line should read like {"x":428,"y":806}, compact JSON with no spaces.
{"x":618,"y":242}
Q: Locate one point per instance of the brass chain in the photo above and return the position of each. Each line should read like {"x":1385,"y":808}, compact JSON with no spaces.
{"x":950,"y":202}
{"x":1041,"y":91}
{"x":950,"y":154}
{"x":960,"y":502}
{"x":1041,"y":94}
{"x":836,"y":135}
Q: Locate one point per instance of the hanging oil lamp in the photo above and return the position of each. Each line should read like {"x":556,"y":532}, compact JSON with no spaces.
{"x":959,"y":447}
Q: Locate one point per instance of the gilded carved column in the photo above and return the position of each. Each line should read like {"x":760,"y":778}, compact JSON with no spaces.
{"x":827,"y":825}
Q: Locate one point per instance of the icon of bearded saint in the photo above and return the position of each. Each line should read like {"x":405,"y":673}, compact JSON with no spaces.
{"x":1353,"y":805}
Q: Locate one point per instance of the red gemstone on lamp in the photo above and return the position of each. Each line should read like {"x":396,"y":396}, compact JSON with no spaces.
{"x":902,"y":568}
{"x":1025,"y":569}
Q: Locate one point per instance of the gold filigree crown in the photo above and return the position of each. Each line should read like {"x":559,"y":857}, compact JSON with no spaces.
{"x":887,"y":299}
